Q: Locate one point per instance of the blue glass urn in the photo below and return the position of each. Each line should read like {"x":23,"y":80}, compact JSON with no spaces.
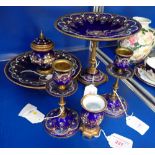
{"x":42,"y":54}
{"x":92,"y":114}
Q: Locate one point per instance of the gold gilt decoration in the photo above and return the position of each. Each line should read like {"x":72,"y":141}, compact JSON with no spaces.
{"x":89,"y":132}
{"x":42,"y":44}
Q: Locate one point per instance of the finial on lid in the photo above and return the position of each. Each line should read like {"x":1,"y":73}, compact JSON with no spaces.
{"x":41,"y":35}
{"x":42,"y":44}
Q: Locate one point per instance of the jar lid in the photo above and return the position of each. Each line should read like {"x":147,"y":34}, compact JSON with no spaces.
{"x":42,"y":44}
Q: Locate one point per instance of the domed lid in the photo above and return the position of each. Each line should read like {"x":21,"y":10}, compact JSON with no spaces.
{"x":42,"y":44}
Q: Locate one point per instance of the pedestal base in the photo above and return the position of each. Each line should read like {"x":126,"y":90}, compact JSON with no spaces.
{"x":63,"y":126}
{"x":89,"y":133}
{"x":86,"y":78}
{"x":114,"y":107}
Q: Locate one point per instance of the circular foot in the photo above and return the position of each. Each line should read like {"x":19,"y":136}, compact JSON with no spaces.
{"x":86,"y":78}
{"x":62,"y":126}
{"x":114,"y":107}
{"x":89,"y":132}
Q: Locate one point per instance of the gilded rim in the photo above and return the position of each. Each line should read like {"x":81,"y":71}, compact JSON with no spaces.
{"x":93,"y":39}
{"x":31,"y":87}
{"x":74,"y":82}
{"x":55,"y":62}
{"x":42,"y":48}
{"x":124,"y":52}
{"x":97,"y":96}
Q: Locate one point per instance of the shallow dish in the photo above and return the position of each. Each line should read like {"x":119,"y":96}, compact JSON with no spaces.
{"x":97,"y":26}
{"x":52,"y":89}
{"x":22,"y":72}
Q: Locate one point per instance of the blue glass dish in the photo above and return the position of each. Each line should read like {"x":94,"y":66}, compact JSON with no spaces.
{"x":21,"y":71}
{"x":97,"y":26}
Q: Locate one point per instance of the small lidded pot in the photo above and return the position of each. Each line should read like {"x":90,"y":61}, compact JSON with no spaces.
{"x":122,"y":60}
{"x":62,"y":72}
{"x":92,"y":114}
{"x":43,"y":54}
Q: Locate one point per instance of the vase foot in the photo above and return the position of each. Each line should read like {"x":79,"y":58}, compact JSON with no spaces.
{"x":86,"y":78}
{"x":114,"y":107}
{"x":89,"y":133}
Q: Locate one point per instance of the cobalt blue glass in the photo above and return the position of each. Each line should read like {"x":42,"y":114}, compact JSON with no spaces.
{"x":23,"y":72}
{"x":62,"y":127}
{"x":62,"y":72}
{"x":42,"y":54}
{"x":61,"y":122}
{"x":91,"y":120}
{"x":95,"y":27}
{"x":92,"y":114}
{"x":114,"y":107}
{"x":122,"y":60}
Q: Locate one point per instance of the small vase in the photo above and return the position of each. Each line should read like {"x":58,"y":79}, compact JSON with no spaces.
{"x":140,"y":43}
{"x":92,"y":114}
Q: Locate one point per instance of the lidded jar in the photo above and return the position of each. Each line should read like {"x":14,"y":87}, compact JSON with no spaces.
{"x":42,"y":54}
